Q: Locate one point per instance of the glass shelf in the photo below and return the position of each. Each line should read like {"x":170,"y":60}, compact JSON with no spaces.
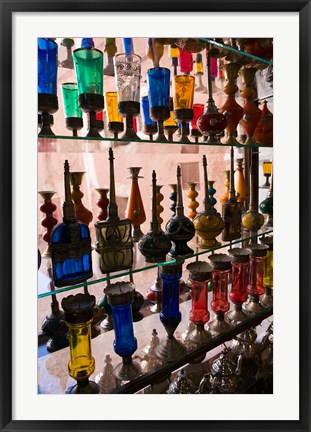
{"x":235,"y":50}
{"x":140,"y":265}
{"x":69,"y":144}
{"x":165,"y":370}
{"x":53,"y":371}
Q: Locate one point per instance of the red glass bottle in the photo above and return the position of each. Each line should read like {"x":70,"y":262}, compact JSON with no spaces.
{"x":255,"y":287}
{"x":199,"y":275}
{"x":214,"y":67}
{"x":199,"y":313}
{"x":99,"y":121}
{"x":239,"y":282}
{"x":185,"y":61}
{"x":220,"y":291}
{"x":198,"y":110}
{"x":220,"y":304}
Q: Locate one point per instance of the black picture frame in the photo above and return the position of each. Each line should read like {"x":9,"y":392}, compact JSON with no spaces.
{"x":8,"y":7}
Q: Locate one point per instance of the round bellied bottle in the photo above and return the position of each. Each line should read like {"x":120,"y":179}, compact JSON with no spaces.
{"x":155,"y":244}
{"x":208,"y":223}
{"x":180,"y":229}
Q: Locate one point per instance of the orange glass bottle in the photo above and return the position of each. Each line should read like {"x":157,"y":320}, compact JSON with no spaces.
{"x":135,"y":208}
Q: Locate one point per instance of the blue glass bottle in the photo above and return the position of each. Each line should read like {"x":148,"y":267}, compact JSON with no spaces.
{"x":146,"y":111}
{"x":170,"y":348}
{"x":170,"y":315}
{"x":128,"y":47}
{"x":149,"y":126}
{"x":70,"y":244}
{"x":47,"y":83}
{"x":120,"y":297}
{"x":158,"y":80}
{"x":47,"y":66}
{"x":87,"y":43}
{"x":125,"y":343}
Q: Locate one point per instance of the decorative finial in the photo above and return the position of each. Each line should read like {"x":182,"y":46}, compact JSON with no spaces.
{"x":232,"y":197}
{"x":206,"y":200}
{"x":179,"y":203}
{"x":69,"y":213}
{"x":112,"y":206}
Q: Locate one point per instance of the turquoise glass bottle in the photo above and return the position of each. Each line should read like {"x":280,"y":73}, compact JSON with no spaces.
{"x":70,"y":244}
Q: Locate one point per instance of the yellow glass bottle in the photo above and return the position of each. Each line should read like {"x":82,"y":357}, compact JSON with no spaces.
{"x":199,"y":65}
{"x":183,"y":92}
{"x":267,"y":298}
{"x":170,"y":126}
{"x":115,"y":121}
{"x":183,"y":103}
{"x":173,"y":51}
{"x":268,"y":270}
{"x":81,"y":364}
{"x":171,"y":120}
{"x":79,"y":310}
{"x":112,"y":107}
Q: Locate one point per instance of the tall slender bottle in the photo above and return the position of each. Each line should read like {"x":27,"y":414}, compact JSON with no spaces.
{"x":70,"y":244}
{"x":231,"y":211}
{"x":114,"y":240}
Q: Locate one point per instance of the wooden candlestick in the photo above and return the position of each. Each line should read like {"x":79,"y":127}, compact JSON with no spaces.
{"x":102,"y":203}
{"x":49,"y":221}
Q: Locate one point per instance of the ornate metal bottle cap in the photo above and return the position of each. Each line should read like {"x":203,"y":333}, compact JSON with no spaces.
{"x":182,"y":384}
{"x":78,"y":308}
{"x":223,"y":365}
{"x":268,"y":240}
{"x":240,"y":255}
{"x":247,"y":336}
{"x":199,"y":271}
{"x":69,"y":213}
{"x":120,"y":293}
{"x":259,"y":250}
{"x":221,"y":261}
{"x":172,"y":269}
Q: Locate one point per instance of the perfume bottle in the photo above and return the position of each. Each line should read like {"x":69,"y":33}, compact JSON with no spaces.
{"x":70,"y":244}
{"x":155,"y":244}
{"x":120,"y":297}
{"x":114,"y":240}
{"x":179,"y":229}
{"x":170,"y":348}
{"x":208,"y":223}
